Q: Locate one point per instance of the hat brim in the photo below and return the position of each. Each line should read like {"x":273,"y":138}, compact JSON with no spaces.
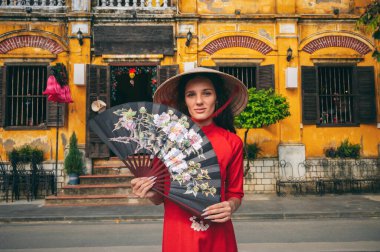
{"x":167,"y":92}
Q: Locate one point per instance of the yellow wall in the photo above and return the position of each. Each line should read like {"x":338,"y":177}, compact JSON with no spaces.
{"x":213,"y":19}
{"x":75,"y":119}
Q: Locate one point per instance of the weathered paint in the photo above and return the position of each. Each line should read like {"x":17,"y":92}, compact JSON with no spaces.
{"x":257,"y":19}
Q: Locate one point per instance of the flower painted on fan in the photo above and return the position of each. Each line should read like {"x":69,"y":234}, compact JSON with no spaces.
{"x":142,"y":110}
{"x":161,"y":120}
{"x":176,"y":132}
{"x":195,"y":139}
{"x":174,"y":161}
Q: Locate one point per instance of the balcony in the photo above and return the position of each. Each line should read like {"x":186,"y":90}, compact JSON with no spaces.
{"x":30,"y":6}
{"x":135,"y":4}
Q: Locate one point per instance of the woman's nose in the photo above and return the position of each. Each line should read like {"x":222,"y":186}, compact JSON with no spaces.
{"x":199,"y":99}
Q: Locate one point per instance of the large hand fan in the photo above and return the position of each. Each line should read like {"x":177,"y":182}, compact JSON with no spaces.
{"x":156,"y":140}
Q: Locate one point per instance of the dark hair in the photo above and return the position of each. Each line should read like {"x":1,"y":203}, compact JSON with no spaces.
{"x":225,"y":119}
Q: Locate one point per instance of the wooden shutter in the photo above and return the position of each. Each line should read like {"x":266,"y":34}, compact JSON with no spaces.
{"x":98,"y":79}
{"x":165,"y":72}
{"x":51,"y":115}
{"x":2,"y":95}
{"x":365,"y":82}
{"x":265,"y":77}
{"x":309,"y":95}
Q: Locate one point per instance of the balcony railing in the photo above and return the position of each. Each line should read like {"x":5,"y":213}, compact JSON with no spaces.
{"x":135,"y":4}
{"x":31,"y":3}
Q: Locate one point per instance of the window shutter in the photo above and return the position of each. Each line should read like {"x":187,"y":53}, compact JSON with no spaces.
{"x":2,"y":95}
{"x":265,"y":77}
{"x":309,"y":95}
{"x":98,"y":78}
{"x":165,"y":72}
{"x":51,"y":115}
{"x":365,"y":82}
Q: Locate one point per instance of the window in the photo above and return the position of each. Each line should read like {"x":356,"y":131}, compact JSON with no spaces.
{"x":259,"y":77}
{"x":338,"y":95}
{"x":25,"y":103}
{"x":246,"y":74}
{"x":336,"y":99}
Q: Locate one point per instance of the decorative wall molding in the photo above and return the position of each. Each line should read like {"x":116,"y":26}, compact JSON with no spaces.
{"x":12,"y":43}
{"x":237,"y":41}
{"x":337,"y":41}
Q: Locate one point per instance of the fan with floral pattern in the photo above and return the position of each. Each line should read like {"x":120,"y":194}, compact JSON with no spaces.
{"x":157,"y":140}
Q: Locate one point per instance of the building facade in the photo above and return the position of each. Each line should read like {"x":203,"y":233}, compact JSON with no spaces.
{"x":311,"y":52}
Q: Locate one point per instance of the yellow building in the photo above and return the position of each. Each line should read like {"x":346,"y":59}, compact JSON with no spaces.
{"x":330,"y":79}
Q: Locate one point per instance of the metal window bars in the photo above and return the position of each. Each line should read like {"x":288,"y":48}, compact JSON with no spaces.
{"x":26,"y":103}
{"x":335,"y":95}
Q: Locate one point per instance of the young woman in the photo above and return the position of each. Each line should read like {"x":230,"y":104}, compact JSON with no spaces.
{"x":211,"y":98}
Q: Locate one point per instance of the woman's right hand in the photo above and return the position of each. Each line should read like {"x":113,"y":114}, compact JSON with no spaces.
{"x":141,"y":186}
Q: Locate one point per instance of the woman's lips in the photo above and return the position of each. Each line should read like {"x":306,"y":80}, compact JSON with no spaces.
{"x":199,"y":111}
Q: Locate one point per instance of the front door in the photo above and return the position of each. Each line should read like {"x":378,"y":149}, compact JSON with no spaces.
{"x":132,"y":84}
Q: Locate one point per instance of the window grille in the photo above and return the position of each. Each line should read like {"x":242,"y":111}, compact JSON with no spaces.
{"x":336,"y":97}
{"x":26,"y":105}
{"x":246,"y":74}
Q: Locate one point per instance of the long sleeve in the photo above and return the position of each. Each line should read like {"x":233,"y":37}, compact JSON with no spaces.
{"x":234,"y":179}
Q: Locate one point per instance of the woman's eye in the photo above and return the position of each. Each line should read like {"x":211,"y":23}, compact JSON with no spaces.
{"x":189,"y":95}
{"x":207,"y":93}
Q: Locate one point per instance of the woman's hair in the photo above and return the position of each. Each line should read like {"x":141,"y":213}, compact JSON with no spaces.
{"x":225,"y":119}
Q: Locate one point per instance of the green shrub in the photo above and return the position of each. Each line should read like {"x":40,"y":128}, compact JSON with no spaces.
{"x":264,"y":108}
{"x":348,"y":150}
{"x":345,"y":150}
{"x":253,"y":150}
{"x":26,"y":154}
{"x":73,"y":163}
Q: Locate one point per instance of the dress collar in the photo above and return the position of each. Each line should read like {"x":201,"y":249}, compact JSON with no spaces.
{"x":208,"y":128}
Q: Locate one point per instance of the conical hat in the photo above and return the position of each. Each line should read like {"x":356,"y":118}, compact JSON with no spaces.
{"x":167,"y":92}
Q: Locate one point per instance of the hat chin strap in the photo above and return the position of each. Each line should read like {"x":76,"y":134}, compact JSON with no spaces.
{"x":217,"y":112}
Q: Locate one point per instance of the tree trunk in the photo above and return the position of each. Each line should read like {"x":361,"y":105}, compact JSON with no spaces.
{"x":246,"y":170}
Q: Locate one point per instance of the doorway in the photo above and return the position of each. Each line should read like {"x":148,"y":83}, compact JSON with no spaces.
{"x":132,"y":84}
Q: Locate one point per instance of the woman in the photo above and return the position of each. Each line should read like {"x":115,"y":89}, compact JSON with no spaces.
{"x":211,"y":98}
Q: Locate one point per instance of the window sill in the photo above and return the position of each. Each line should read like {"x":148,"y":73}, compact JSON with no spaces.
{"x":40,"y":127}
{"x":338,"y":125}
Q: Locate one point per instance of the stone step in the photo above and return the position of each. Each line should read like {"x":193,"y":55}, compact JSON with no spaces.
{"x":97,"y":189}
{"x":104,"y":179}
{"x":95,"y":200}
{"x":111,"y":169}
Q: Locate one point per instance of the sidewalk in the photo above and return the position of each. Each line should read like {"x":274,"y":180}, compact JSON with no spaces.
{"x":255,"y":207}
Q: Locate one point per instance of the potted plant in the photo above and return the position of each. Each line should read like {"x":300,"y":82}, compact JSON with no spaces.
{"x":73,"y":163}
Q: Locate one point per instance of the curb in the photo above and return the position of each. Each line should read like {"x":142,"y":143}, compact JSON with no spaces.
{"x":238,"y":217}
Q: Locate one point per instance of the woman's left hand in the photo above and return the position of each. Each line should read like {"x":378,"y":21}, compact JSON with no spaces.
{"x":221,"y":212}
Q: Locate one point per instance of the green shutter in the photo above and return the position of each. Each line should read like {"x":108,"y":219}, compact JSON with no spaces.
{"x":265,"y":77}
{"x":366,"y":94}
{"x":51,"y":115}
{"x":309,"y":95}
{"x":97,"y":87}
{"x":2,"y":95}
{"x":166,"y":72}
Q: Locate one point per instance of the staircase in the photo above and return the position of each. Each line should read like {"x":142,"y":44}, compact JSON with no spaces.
{"x":109,"y":185}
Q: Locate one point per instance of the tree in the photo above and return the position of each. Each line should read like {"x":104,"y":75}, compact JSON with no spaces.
{"x":264,"y":108}
{"x":370,"y":21}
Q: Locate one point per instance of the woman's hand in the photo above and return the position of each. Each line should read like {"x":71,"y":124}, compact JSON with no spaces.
{"x":222,"y":212}
{"x":141,"y":186}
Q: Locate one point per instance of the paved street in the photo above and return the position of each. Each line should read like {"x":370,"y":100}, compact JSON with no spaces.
{"x":266,"y":236}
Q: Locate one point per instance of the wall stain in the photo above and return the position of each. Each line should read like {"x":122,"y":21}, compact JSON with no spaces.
{"x":210,"y":4}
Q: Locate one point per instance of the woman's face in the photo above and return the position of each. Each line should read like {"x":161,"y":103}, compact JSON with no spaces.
{"x":200,"y":99}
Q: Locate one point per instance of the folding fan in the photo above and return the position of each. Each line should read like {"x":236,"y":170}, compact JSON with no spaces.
{"x":157,"y":140}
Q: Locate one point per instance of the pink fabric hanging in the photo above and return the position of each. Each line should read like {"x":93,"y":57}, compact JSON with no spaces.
{"x":56,"y":92}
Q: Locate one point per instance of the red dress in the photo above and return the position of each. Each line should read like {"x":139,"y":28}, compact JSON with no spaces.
{"x":178,"y":234}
